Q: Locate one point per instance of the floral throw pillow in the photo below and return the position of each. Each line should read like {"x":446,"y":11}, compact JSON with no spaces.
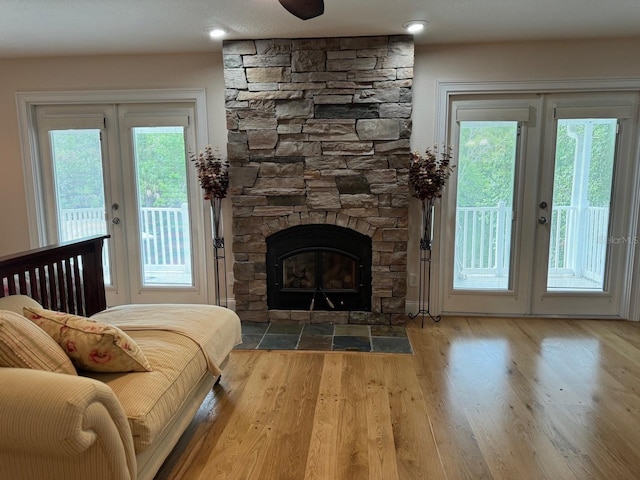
{"x":91,"y":345}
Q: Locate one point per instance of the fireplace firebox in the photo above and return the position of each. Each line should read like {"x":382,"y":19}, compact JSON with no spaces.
{"x":319,"y":267}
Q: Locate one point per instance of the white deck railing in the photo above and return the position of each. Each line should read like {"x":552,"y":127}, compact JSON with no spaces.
{"x":165,"y":234}
{"x":577,"y":245}
{"x":483,"y":234}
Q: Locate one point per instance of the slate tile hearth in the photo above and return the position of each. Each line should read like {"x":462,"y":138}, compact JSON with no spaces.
{"x":324,"y":337}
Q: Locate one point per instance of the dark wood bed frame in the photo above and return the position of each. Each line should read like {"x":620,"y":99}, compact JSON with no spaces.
{"x":66,"y":276}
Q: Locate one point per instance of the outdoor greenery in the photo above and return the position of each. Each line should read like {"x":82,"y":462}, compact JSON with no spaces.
{"x":77,"y":163}
{"x":161,"y":168}
{"x":600,"y":169}
{"x":486,"y":163}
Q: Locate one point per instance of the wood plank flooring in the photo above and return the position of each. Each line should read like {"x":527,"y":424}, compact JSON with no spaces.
{"x":482,"y":398}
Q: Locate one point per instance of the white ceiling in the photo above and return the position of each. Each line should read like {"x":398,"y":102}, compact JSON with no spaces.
{"x":92,"y":27}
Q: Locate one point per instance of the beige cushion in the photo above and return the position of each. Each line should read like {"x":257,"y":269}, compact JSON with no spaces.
{"x":25,"y":345}
{"x":151,"y":399}
{"x":15,"y":303}
{"x":91,"y":345}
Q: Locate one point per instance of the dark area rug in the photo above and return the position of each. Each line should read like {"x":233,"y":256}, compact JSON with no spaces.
{"x":322,"y":337}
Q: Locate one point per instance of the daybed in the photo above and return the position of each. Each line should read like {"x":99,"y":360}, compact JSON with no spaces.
{"x":97,"y":425}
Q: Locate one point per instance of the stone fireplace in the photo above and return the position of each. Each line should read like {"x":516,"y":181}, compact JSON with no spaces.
{"x":318,"y":136}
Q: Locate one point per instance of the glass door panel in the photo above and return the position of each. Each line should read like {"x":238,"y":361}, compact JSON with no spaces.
{"x":537,"y":219}
{"x":582,"y":189}
{"x":486,"y":167}
{"x":163,"y":209}
{"x":583,"y":209}
{"x":78,"y":184}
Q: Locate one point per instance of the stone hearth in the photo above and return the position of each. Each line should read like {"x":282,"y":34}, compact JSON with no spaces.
{"x":318,"y":133}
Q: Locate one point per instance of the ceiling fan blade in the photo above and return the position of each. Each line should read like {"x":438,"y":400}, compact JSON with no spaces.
{"x":304,"y":9}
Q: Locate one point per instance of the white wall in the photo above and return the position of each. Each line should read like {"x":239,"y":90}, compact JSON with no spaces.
{"x":592,"y":59}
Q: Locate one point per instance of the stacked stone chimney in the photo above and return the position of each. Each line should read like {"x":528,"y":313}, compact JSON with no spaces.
{"x":318,"y":133}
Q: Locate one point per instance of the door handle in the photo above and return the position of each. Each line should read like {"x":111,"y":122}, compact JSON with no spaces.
{"x":543,"y":220}
{"x":115,"y":220}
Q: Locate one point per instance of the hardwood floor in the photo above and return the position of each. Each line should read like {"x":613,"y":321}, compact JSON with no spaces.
{"x":481,"y":398}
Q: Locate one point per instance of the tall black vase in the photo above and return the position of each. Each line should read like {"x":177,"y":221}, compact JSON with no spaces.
{"x":216,"y":222}
{"x":426,"y":229}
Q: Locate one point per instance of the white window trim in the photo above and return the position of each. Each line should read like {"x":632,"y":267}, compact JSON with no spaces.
{"x":446,"y":91}
{"x":27,"y":101}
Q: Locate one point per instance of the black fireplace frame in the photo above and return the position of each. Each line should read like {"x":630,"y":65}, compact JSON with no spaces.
{"x":319,"y":238}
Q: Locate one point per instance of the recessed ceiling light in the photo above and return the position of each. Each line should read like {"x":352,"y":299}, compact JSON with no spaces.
{"x":216,"y":32}
{"x":415,"y":26}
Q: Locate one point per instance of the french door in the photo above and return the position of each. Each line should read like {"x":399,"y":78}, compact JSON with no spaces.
{"x":538,"y":208}
{"x":122,"y":170}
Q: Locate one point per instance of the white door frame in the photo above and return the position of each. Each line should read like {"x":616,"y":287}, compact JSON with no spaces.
{"x":524,"y":111}
{"x":26,"y":105}
{"x":447,"y":91}
{"x":622,"y":106}
{"x":143,"y":115}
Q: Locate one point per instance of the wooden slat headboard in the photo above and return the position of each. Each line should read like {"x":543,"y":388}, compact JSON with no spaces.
{"x":67,"y":276}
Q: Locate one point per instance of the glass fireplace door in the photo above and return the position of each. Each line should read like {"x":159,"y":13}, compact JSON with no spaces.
{"x":320,"y":277}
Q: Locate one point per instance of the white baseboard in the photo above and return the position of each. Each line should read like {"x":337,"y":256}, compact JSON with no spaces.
{"x":230,"y":303}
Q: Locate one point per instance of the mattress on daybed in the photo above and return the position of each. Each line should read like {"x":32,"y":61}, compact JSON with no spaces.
{"x":182,"y":344}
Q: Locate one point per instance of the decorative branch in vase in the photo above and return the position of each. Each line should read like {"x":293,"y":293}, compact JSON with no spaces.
{"x":428,"y":175}
{"x":213,"y":174}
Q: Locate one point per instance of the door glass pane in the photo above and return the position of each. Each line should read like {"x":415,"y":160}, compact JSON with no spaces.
{"x":582,"y":187}
{"x":484,"y":205}
{"x":160,"y":159}
{"x":299,"y":271}
{"x":79,"y":186}
{"x":338,"y":271}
